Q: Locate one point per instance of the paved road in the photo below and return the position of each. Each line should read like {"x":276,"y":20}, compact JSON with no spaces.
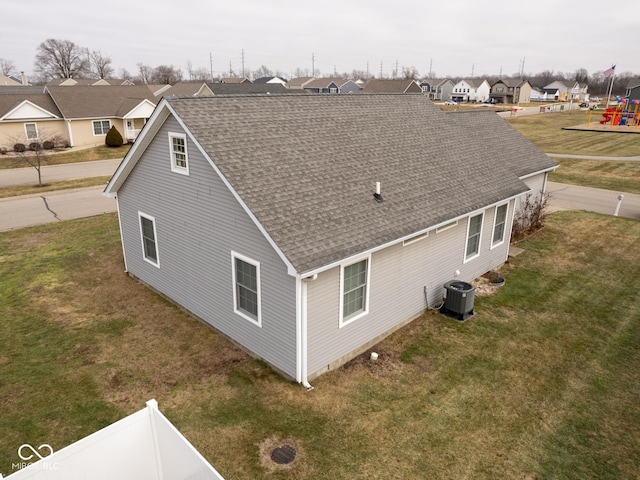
{"x":572,"y":197}
{"x":37,"y":209}
{"x":57,"y":173}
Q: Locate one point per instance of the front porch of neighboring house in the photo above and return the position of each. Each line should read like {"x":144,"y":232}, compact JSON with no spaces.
{"x":135,"y":120}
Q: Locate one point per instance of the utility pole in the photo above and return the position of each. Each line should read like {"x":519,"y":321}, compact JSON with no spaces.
{"x":522,"y":69}
{"x":313,"y":64}
{"x":473,"y":66}
{"x":243,"y":63}
{"x":380,"y":68}
{"x":367,"y":70}
{"x":431,"y":68}
{"x":211,"y":65}
{"x":395,"y":72}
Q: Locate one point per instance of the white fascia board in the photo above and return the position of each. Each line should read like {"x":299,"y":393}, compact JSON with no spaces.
{"x":26,"y":103}
{"x":135,"y":152}
{"x":145,"y":106}
{"x":359,"y":255}
{"x":550,"y":169}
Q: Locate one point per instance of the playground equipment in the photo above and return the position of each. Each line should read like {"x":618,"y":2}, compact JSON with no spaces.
{"x":625,"y":113}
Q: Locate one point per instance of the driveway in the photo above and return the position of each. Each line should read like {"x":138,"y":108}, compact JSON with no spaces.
{"x":573,"y":197}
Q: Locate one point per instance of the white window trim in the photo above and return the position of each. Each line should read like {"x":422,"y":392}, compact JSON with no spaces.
{"x":365,"y":311}
{"x":26,"y":132}
{"x":93,"y":127}
{"x":504,"y":227}
{"x":174,"y":167}
{"x":155,"y":238}
{"x":255,"y":321}
{"x":466,"y":243}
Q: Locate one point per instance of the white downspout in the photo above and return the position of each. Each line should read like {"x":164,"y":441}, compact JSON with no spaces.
{"x":303,"y":333}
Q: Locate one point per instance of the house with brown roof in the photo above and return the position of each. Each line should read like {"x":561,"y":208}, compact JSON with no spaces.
{"x":78,"y":116}
{"x":299,"y":83}
{"x":375,"y":85}
{"x":511,"y":90}
{"x":307,"y":246}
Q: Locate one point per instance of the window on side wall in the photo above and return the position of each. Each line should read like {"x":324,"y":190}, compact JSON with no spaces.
{"x":178,"y":150}
{"x":354,"y":285}
{"x":474,"y":231}
{"x":499,"y":225}
{"x":149,"y":239}
{"x":31,"y":129}
{"x":101,"y":127}
{"x":246,"y":288}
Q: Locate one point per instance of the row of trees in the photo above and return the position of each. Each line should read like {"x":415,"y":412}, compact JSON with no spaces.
{"x":64,"y":59}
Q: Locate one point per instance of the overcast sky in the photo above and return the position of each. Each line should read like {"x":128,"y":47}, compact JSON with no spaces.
{"x":456,"y":37}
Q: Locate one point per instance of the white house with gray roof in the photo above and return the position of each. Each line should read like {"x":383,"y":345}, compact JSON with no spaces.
{"x":257,"y":214}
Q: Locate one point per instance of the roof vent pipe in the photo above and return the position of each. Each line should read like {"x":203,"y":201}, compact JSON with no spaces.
{"x":378,"y":195}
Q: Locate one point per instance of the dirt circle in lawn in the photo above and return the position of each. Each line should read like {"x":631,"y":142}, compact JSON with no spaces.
{"x":279,"y":453}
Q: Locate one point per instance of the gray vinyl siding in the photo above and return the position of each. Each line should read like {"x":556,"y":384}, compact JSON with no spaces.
{"x":199,"y":223}
{"x":399,"y":275}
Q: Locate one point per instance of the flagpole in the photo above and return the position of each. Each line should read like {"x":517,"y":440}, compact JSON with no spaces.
{"x":611,"y":87}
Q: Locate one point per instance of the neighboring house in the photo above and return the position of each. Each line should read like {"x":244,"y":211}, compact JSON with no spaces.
{"x":279,"y":80}
{"x":567,"y":92}
{"x":299,"y":83}
{"x":210,"y":89}
{"x":257,"y":214}
{"x":235,"y":80}
{"x":391,"y":86}
{"x":143,"y":445}
{"x":31,"y":117}
{"x":471,"y":90}
{"x":70,"y":82}
{"x":542,"y":95}
{"x":184,"y":88}
{"x":438,"y":88}
{"x":633,"y":89}
{"x":10,"y":80}
{"x":90,"y":111}
{"x":511,"y":90}
{"x":331,"y":85}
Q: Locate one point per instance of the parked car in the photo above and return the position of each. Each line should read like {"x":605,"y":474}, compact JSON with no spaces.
{"x":584,"y":105}
{"x":451,"y":102}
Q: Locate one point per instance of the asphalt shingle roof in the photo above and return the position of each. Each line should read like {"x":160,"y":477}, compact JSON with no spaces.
{"x":306,"y":166}
{"x":81,"y":101}
{"x":42,"y":100}
{"x":244,"y":88}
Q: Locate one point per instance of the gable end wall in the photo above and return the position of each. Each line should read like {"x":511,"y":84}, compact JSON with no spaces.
{"x":198,"y":224}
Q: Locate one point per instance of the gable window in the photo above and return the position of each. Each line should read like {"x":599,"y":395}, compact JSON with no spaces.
{"x":178,"y":147}
{"x":246,"y":288}
{"x":31,"y":130}
{"x":101,"y":127}
{"x":149,"y":239}
{"x":473,"y":237}
{"x":499,"y":224}
{"x":354,"y":300}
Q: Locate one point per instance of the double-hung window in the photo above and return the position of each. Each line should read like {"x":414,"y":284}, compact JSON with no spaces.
{"x":149,"y":239}
{"x":499,"y":224}
{"x":474,"y":231}
{"x":178,"y":150}
{"x":101,"y":127}
{"x":246,"y":288}
{"x":31,"y":129}
{"x":354,"y":282}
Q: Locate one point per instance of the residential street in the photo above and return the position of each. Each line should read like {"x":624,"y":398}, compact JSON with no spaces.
{"x":36,"y":209}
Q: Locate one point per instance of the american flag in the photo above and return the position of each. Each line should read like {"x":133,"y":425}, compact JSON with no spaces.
{"x":609,"y":72}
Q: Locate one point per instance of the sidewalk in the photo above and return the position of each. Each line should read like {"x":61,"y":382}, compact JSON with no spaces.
{"x":56,"y":173}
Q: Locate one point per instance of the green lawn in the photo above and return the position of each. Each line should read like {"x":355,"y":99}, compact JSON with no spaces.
{"x":615,"y":175}
{"x":541,"y":383}
{"x":546,"y":131}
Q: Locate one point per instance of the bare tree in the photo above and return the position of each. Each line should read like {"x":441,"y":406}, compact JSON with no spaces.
{"x":124,"y":74}
{"x":410,"y":73}
{"x":34,"y":152}
{"x":145,"y":72}
{"x":7,"y":67}
{"x":61,"y":59}
{"x":166,"y":74}
{"x":100,"y":64}
{"x":263,"y":71}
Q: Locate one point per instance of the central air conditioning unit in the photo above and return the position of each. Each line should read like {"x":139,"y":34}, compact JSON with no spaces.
{"x":458,"y":302}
